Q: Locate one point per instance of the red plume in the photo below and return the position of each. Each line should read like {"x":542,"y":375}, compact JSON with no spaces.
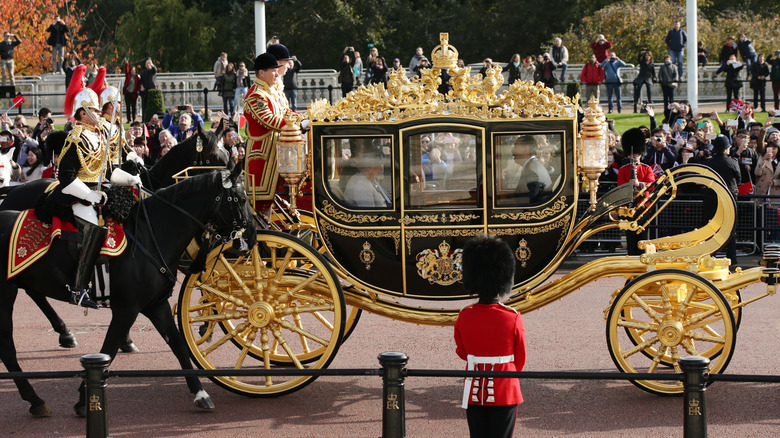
{"x":100,"y":81}
{"x":76,"y":85}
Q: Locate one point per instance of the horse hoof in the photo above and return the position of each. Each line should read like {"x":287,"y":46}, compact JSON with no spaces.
{"x":67,"y":340}
{"x":80,"y":410}
{"x":203,"y":400}
{"x":40,"y":410}
{"x":128,"y":347}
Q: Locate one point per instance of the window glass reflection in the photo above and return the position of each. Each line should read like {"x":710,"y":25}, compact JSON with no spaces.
{"x":442,"y":169}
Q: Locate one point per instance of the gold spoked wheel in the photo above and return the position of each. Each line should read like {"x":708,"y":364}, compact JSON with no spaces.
{"x":663,"y":316}
{"x":263,"y":310}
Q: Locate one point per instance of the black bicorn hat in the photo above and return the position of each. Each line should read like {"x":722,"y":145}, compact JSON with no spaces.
{"x":266,"y":61}
{"x":279,"y":51}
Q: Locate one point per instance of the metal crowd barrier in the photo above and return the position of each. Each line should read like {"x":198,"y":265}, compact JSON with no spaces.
{"x":393,"y":371}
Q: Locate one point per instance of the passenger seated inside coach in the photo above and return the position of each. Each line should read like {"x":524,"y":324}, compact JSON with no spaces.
{"x":363,"y":190}
{"x":534,"y":177}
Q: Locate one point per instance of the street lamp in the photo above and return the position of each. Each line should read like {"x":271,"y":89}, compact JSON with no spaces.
{"x":292,"y":157}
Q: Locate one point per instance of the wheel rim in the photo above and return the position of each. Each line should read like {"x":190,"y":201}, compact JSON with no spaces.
{"x":269,"y":312}
{"x":664,"y":316}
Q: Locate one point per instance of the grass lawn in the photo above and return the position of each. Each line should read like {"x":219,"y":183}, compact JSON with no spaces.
{"x":626,"y":121}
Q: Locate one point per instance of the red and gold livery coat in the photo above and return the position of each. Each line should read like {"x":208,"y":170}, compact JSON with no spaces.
{"x":265,"y":117}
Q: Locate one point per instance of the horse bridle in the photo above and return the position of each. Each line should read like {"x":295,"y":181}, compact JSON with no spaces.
{"x":213,"y":236}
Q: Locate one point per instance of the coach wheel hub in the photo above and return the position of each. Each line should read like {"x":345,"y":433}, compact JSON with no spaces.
{"x":260,"y":314}
{"x":670,"y":333}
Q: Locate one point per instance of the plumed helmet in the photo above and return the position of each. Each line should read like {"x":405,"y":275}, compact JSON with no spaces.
{"x":75,"y":86}
{"x":85,"y":98}
{"x":279,"y":51}
{"x":633,"y":141}
{"x":110,"y":94}
{"x":100,"y":81}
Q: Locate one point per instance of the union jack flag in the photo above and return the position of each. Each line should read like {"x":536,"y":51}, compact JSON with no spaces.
{"x":737,"y":105}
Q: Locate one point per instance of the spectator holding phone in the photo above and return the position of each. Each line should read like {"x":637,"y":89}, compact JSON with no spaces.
{"x":746,"y":157}
{"x":733,"y":79}
{"x":765,"y":173}
{"x":646,"y":76}
{"x":668,"y":77}
{"x":662,"y":156}
{"x":188,"y":121}
{"x":58,"y":39}
{"x":7,"y":56}
{"x":759,"y":73}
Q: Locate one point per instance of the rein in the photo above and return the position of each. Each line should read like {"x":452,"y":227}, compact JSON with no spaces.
{"x":214,"y":239}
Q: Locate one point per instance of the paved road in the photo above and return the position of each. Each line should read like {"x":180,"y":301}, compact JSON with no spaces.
{"x":567,"y":335}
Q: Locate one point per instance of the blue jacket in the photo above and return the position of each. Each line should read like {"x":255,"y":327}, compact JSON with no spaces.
{"x":612,"y":71}
{"x":676,"y":39}
{"x":174,"y":128}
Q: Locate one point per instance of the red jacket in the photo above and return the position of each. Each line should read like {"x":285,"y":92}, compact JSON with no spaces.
{"x":592,"y":74}
{"x":491,"y":330}
{"x":644,"y":173}
{"x":601,"y":50}
{"x":132,"y":83}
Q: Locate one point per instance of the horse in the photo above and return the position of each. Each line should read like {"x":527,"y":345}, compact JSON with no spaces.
{"x":205,"y":148}
{"x":140,"y":283}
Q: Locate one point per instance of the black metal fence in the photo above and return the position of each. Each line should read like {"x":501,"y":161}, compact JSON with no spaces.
{"x":393,"y":370}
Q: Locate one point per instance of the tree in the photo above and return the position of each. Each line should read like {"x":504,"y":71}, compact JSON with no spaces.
{"x":29,"y":19}
{"x":175,"y":37}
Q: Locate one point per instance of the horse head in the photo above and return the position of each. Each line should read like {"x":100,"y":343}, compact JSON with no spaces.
{"x":203,"y":148}
{"x":233,"y":216}
{"x":5,"y":167}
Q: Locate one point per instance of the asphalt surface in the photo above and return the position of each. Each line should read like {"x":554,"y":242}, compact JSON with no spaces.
{"x":567,"y":335}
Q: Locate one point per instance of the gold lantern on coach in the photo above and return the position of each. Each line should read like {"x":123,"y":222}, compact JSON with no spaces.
{"x":593,"y":147}
{"x":292,"y":159}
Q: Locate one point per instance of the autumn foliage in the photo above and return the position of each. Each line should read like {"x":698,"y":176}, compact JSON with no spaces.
{"x":29,"y":19}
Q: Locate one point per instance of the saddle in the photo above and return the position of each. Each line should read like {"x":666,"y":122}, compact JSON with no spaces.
{"x":31,"y":239}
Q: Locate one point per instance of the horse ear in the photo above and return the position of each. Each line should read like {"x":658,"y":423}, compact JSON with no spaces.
{"x":220,"y":127}
{"x":235,"y":172}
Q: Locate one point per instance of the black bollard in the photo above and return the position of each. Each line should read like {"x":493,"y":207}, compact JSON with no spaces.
{"x":694,"y":383}
{"x":393,"y":407}
{"x":96,"y":366}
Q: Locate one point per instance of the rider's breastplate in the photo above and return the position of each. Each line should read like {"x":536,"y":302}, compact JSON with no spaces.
{"x":90,"y":148}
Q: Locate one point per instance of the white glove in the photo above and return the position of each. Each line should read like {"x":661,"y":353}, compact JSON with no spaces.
{"x":121,"y":178}
{"x":132,"y":156}
{"x":305,"y":124}
{"x":96,"y":197}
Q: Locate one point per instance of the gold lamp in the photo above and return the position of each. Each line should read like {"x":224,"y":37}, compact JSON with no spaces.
{"x":292,"y":154}
{"x":593,"y":147}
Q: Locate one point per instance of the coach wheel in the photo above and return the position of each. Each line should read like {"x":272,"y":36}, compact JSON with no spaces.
{"x":262,"y":311}
{"x":663,"y":316}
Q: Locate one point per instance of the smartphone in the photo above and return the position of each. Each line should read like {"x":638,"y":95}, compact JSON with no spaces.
{"x":732,"y":123}
{"x":182,"y":107}
{"x":666,"y":127}
{"x":680,"y":122}
{"x":710,"y":136}
{"x":777,"y":113}
{"x":701,"y":125}
{"x":3,"y":138}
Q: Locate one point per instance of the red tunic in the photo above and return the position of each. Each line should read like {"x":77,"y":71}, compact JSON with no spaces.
{"x":492,"y":331}
{"x":644,"y":173}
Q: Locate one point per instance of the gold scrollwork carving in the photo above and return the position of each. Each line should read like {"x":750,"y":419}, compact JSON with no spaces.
{"x":514,"y":231}
{"x":413,"y":234}
{"x":443,"y":218}
{"x":328,"y":227}
{"x":332,"y":213}
{"x":407,"y":98}
{"x":556,"y":208}
{"x":440,"y":266}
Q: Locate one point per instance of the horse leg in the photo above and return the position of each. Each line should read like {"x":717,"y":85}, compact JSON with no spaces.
{"x":117,"y":333}
{"x":161,"y":317}
{"x":67,"y":340}
{"x":38,"y":407}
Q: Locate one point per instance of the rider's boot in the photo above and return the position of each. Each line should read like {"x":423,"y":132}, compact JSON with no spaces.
{"x":92,"y":238}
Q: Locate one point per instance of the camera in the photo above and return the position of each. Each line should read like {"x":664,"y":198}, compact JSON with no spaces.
{"x":49,"y":121}
{"x":182,"y":107}
{"x":546,"y":58}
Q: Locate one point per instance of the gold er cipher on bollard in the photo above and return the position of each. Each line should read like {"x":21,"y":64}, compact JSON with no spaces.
{"x":293,"y":160}
{"x":593,"y":147}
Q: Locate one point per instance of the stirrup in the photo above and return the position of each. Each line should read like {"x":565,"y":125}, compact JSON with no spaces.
{"x":80,"y":297}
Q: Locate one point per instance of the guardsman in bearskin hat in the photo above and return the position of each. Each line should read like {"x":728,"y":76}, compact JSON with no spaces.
{"x":265,"y":111}
{"x":638,"y":174}
{"x":82,"y":167}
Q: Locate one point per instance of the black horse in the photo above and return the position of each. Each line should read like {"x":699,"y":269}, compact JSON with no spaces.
{"x":215,"y":202}
{"x":205,"y":148}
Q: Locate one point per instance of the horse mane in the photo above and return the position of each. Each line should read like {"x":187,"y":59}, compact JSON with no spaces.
{"x":198,"y":184}
{"x":184,"y":155}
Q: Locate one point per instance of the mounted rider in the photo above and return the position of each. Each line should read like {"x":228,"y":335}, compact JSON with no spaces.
{"x":82,"y":169}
